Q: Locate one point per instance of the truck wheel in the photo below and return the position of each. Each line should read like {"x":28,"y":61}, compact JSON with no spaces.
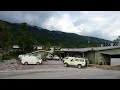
{"x":65,"y":64}
{"x":79,"y":66}
{"x":41,"y":63}
{"x":26,"y":63}
{"x":38,"y":63}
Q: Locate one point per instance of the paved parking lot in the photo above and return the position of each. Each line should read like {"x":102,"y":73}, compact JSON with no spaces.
{"x":56,"y":70}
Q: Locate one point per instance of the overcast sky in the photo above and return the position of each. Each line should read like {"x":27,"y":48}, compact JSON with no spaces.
{"x":101,"y":24}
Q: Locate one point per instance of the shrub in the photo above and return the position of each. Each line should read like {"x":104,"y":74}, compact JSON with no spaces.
{"x":8,"y":57}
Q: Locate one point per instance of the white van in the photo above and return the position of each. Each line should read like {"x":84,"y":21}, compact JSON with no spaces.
{"x":29,"y":59}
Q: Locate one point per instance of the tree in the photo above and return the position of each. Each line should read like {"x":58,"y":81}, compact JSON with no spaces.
{"x":117,"y":39}
{"x":4,"y":35}
{"x":47,"y":46}
{"x":26,"y":41}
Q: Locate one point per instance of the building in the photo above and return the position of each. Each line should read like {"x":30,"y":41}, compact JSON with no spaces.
{"x":16,"y":47}
{"x":53,"y":49}
{"x":37,"y":47}
{"x":110,"y":55}
{"x":39,"y":53}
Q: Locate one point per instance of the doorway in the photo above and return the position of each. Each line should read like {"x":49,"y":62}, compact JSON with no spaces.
{"x":106,"y":59}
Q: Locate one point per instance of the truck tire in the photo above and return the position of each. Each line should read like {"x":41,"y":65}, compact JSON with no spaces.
{"x":38,"y":63}
{"x":79,"y":66}
{"x":41,"y":63}
{"x":26,"y":63}
{"x":65,"y":64}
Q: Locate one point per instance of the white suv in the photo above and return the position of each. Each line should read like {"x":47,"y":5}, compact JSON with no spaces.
{"x":68,"y":58}
{"x":79,"y":62}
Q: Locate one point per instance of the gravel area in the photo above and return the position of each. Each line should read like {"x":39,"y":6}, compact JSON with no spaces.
{"x":12,"y":65}
{"x":9,"y":65}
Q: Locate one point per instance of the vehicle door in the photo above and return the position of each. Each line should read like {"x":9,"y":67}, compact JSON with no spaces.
{"x":72,"y":62}
{"x":30,"y":60}
{"x":33,"y":60}
{"x":82,"y":62}
{"x":76,"y":61}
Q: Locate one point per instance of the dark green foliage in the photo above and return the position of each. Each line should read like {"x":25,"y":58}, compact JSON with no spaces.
{"x":117,"y":39}
{"x":25,"y":39}
{"x":8,"y":57}
{"x":57,"y":53}
{"x":4,"y":35}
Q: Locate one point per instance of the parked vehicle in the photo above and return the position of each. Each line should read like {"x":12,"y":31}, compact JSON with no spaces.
{"x":30,"y":59}
{"x":56,"y":57}
{"x":49,"y":57}
{"x":78,"y":62}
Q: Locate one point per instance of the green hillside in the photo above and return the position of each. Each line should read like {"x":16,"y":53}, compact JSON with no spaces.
{"x":38,"y":36}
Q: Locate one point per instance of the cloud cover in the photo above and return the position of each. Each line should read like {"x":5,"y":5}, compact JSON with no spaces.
{"x":101,"y":24}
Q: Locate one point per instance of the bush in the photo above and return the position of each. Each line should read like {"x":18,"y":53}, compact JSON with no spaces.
{"x":8,"y":57}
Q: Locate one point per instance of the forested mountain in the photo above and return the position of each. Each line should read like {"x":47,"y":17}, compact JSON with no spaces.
{"x":23,"y":34}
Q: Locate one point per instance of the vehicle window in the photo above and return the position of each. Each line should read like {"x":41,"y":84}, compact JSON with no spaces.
{"x":66,"y":58}
{"x":81,"y":60}
{"x":71,"y":59}
{"x":76,"y":59}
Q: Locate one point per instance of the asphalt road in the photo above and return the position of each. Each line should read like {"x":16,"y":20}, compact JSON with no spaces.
{"x":58,"y":71}
{"x":72,"y":73}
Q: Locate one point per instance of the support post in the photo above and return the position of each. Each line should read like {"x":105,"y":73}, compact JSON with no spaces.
{"x":83,"y":55}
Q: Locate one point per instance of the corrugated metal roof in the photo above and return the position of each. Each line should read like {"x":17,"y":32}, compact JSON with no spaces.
{"x":89,"y":49}
{"x":105,"y":48}
{"x":77,"y":49}
{"x":112,"y":53}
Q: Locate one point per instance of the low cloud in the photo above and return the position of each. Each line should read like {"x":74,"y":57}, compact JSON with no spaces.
{"x":101,"y":24}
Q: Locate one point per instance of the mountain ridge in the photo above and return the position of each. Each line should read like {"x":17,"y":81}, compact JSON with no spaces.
{"x":54,"y":37}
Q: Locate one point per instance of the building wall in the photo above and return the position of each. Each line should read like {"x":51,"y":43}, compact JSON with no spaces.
{"x":99,"y":56}
{"x":41,"y":54}
{"x":94,"y":57}
{"x":39,"y":47}
{"x":90,"y":56}
{"x":115,"y":61}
